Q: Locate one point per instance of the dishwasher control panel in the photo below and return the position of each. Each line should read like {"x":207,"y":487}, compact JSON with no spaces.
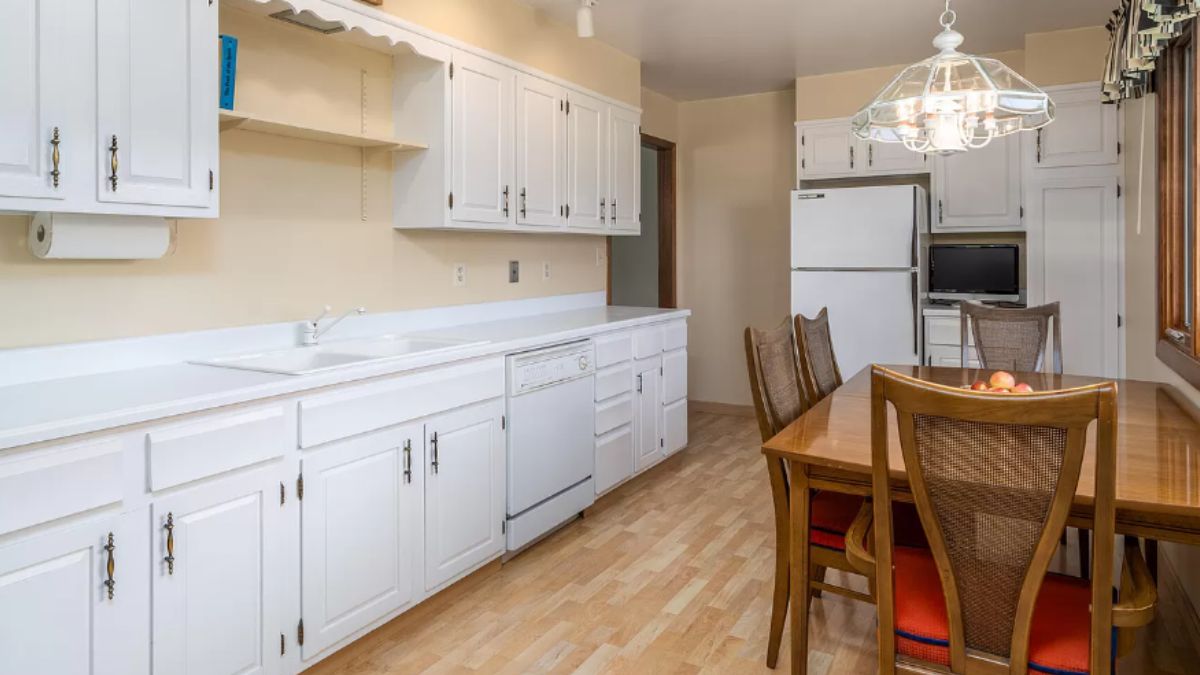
{"x":546,"y":367}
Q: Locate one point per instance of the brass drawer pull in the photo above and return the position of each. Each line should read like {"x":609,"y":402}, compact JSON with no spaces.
{"x":170,"y":528}
{"x":55,"y":156}
{"x":112,"y":149}
{"x":433,"y":442}
{"x":408,"y":461}
{"x":111,"y":582}
{"x":505,"y":201}
{"x":524,"y":199}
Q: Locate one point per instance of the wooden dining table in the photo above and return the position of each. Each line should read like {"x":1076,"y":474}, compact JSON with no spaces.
{"x":1158,"y":464}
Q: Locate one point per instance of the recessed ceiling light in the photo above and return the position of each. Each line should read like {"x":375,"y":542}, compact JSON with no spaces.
{"x":585,"y":27}
{"x":307,"y":19}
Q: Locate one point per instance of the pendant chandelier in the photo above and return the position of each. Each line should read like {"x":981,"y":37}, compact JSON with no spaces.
{"x":953,"y":102}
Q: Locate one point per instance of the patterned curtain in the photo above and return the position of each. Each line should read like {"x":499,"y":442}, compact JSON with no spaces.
{"x":1140,"y":30}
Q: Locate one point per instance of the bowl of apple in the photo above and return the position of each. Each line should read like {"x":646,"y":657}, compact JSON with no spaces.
{"x":1001,"y":382}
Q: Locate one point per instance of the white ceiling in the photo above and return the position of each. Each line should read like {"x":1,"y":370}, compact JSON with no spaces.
{"x":694,"y":49}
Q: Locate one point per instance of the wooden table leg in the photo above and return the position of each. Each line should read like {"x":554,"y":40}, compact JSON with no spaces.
{"x":799,"y":497}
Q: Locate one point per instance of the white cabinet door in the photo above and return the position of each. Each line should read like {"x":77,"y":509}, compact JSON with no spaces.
{"x":1073,"y":256}
{"x":894,"y":158}
{"x":827,"y":150}
{"x":360,"y":520}
{"x":625,"y":166}
{"x":949,"y":357}
{"x":57,"y":615}
{"x":216,"y":581}
{"x":587,"y":162}
{"x":614,"y":458}
{"x":481,"y":140}
{"x":674,"y":375}
{"x":43,"y":111}
{"x":541,"y":152}
{"x":979,"y":189}
{"x":157,"y":102}
{"x":647,"y":414}
{"x":1084,"y":132}
{"x":464,"y":491}
{"x":675,"y":426}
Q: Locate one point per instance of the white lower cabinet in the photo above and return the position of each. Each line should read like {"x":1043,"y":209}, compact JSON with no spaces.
{"x":464,"y":491}
{"x":216,"y":578}
{"x":74,"y":599}
{"x":647,"y":413}
{"x":360,"y":522}
{"x":674,"y":397}
{"x":614,"y":458}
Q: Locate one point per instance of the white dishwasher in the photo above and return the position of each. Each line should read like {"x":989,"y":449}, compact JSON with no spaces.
{"x":551,"y":439}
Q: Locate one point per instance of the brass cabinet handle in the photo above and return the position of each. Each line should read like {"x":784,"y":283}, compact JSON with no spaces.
{"x":170,"y":528}
{"x":505,"y":201}
{"x":614,"y":209}
{"x":433,"y":444}
{"x":111,"y":582}
{"x":112,"y":149}
{"x":603,"y":215}
{"x":408,"y":461}
{"x":852,"y":157}
{"x":1039,"y":146}
{"x":870,"y":155}
{"x":55,"y":156}
{"x":524,"y":199}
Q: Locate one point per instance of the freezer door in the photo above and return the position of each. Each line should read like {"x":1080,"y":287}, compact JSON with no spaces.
{"x":873,"y":316}
{"x":871,"y":227}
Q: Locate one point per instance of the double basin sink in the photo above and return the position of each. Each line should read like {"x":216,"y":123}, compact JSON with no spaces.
{"x":321,"y":358}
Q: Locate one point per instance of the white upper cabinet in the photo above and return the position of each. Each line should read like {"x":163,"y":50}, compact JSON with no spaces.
{"x":1084,"y":132}
{"x":625,"y":143}
{"x":216,"y":578}
{"x":541,"y":152}
{"x":587,"y":162}
{"x":893,"y":158}
{"x":156,"y":102}
{"x":827,"y":150}
{"x":360,"y":520}
{"x":979,"y":189}
{"x":481,"y":144}
{"x":464,"y":491}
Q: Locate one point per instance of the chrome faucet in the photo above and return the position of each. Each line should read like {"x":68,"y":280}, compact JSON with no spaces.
{"x":312,"y":332}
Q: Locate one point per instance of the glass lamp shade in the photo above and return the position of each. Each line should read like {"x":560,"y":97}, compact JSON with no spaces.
{"x":952,"y":102}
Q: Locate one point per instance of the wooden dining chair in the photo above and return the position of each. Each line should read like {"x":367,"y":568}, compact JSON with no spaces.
{"x":1012,"y":339}
{"x":778,"y":400}
{"x":819,"y":370}
{"x":1016,"y":340}
{"x":993,"y":477}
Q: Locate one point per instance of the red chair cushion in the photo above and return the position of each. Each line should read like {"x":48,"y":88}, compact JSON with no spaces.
{"x":1059,"y":641}
{"x":834,"y":512}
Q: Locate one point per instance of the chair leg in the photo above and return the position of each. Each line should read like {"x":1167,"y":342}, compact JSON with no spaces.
{"x":801,"y":558}
{"x":1085,"y":554}
{"x":1151,"y":547}
{"x":817,"y":574}
{"x":779,"y":600}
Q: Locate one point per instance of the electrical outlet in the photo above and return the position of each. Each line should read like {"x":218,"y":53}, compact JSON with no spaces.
{"x":460,"y":275}
{"x":545,"y":271}
{"x":599,"y":256}
{"x":514,"y":271}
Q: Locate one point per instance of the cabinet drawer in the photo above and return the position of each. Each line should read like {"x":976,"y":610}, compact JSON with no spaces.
{"x":49,"y":483}
{"x":181,"y":453}
{"x":945,"y":330}
{"x":950,"y":357}
{"x":675,"y":431}
{"x":355,"y":410}
{"x":614,"y":413}
{"x":614,"y":458}
{"x":647,"y":342}
{"x":674,"y":376}
{"x":675,"y":335}
{"x":613,"y":381}
{"x":613,"y":349}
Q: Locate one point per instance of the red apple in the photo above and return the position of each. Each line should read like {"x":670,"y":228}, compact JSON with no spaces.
{"x":1002,"y":380}
{"x":1022,"y":388}
{"x":979,"y":385}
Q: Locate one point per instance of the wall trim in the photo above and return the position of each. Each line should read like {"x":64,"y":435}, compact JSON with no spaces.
{"x":715,"y":408}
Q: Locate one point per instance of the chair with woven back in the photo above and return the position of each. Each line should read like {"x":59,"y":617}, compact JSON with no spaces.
{"x":993,"y":477}
{"x":778,"y":400}
{"x":818,"y":366}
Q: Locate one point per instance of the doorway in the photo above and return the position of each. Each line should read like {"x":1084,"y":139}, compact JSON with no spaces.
{"x":641,"y":270}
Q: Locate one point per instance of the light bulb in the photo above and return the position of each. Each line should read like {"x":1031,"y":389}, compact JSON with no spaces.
{"x":585,"y":27}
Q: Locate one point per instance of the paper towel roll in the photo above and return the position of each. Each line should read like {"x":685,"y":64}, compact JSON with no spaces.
{"x":98,"y":237}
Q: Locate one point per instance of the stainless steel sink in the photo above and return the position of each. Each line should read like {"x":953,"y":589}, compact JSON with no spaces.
{"x":315,"y":359}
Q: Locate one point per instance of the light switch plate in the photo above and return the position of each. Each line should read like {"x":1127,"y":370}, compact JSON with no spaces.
{"x":514,"y":271}
{"x":459,"y":278}
{"x":545,"y":271}
{"x":599,"y":256}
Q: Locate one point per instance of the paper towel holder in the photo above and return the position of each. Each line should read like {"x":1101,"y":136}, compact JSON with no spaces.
{"x":78,"y":236}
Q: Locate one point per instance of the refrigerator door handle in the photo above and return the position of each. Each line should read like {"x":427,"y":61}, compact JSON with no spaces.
{"x":916,"y":314}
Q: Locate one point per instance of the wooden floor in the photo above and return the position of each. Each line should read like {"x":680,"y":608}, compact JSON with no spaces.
{"x":671,"y":574}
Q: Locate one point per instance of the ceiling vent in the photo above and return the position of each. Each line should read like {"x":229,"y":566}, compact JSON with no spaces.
{"x":307,"y":19}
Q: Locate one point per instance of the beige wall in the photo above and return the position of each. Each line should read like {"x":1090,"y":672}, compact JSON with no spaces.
{"x":292,"y":235}
{"x":1066,"y":56}
{"x":736,"y":169}
{"x":660,"y":115}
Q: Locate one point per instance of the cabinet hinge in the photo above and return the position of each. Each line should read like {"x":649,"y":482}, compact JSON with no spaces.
{"x":300,"y":487}
{"x":1118,"y":147}
{"x":568,"y":107}
{"x":568,"y":210}
{"x":210,"y":180}
{"x":282,"y":645}
{"x":451,"y":200}
{"x":282,"y":494}
{"x":1118,"y":190}
{"x":452,"y":70}
{"x":562,"y":106}
{"x":504,"y":527}
{"x":661,"y":443}
{"x":803,"y":164}
{"x":503,"y":422}
{"x":802,"y":140}
{"x":1120,"y":321}
{"x":300,"y":633}
{"x":1022,"y":213}
{"x":660,"y":371}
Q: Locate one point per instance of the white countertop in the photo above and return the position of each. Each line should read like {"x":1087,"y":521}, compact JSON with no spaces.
{"x":34,"y":412}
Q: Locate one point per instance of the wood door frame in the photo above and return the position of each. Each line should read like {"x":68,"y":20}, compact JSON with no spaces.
{"x":665,"y":150}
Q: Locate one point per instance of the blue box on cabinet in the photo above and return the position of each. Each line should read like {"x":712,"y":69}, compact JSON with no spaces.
{"x":228,"y":70}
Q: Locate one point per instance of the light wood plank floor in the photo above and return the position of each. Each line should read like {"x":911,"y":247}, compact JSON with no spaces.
{"x":670,"y":574}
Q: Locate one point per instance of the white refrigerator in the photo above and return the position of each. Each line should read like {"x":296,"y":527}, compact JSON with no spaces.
{"x":859,"y":252}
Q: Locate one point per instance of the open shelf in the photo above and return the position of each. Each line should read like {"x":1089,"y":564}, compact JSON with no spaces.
{"x":235,"y":119}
